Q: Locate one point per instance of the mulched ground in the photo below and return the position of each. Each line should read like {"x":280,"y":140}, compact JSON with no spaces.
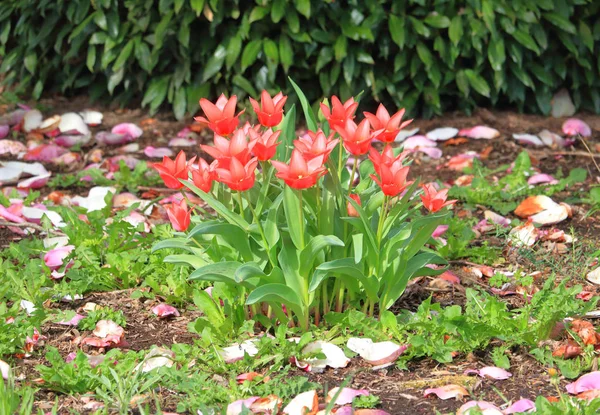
{"x":401,"y":392}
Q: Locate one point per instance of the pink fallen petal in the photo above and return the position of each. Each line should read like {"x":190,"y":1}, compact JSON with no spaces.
{"x":4,"y":130}
{"x":346,"y":395}
{"x":123,"y":200}
{"x":541,"y":178}
{"x":72,"y":123}
{"x":10,"y":215}
{"x":450,"y":277}
{"x":44,"y":152}
{"x":114,"y":163}
{"x":376,"y":353}
{"x":442,"y":134}
{"x":304,"y":403}
{"x":165,"y":310}
{"x":439,"y":231}
{"x":448,"y":392}
{"x":95,"y":342}
{"x":462,"y":161}
{"x":54,"y":258}
{"x":370,"y":412}
{"x":158,"y":153}
{"x":433,"y":152}
{"x":66,"y":159}
{"x":587,"y":382}
{"x":70,"y":357}
{"x":495,"y":218}
{"x":182,"y":142}
{"x":73,"y":322}
{"x":574,"y":126}
{"x":4,"y":369}
{"x":36,"y":182}
{"x":342,"y":410}
{"x":11,"y":147}
{"x":528,"y":139}
{"x":32,"y":120}
{"x":486,"y":407}
{"x":109,"y":331}
{"x":334,"y":356}
{"x":522,"y":405}
{"x":128,"y":129}
{"x":418,"y":141}
{"x":104,"y":137}
{"x":235,"y":408}
{"x":479,"y":132}
{"x":14,"y":117}
{"x":494,"y":372}
{"x":72,"y":140}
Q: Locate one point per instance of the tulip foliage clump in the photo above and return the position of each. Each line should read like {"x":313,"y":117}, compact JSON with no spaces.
{"x":300,"y":226}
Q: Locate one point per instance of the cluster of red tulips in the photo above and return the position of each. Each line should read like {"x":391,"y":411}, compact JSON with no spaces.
{"x":237,"y":151}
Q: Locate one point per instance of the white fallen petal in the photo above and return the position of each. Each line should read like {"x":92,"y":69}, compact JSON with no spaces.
{"x":158,"y":357}
{"x":534,"y":204}
{"x":494,"y":372}
{"x":594,"y":276}
{"x":237,"y":351}
{"x":4,"y":369}
{"x":56,"y":242}
{"x":91,"y":117}
{"x":334,"y":356}
{"x":524,"y":235}
{"x":33,"y":214}
{"x":32,"y":120}
{"x":404,"y":134}
{"x":345,"y":396}
{"x":376,"y":353}
{"x":442,"y":134}
{"x":236,"y":408}
{"x":11,"y":147}
{"x":182,"y":142}
{"x":95,"y":199}
{"x":49,"y":124}
{"x":551,"y":216}
{"x":495,"y":218}
{"x":528,"y":139}
{"x":479,"y":132}
{"x":304,"y":403}
{"x":562,"y":104}
{"x":28,"y":306}
{"x":129,"y":148}
{"x":72,"y":123}
{"x":551,"y":139}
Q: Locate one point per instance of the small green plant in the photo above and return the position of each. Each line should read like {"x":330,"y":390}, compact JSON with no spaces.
{"x":15,"y":401}
{"x":594,"y":201}
{"x":102,"y":313}
{"x":366,"y":402}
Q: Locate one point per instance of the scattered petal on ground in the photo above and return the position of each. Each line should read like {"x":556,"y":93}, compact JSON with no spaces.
{"x":235,"y":408}
{"x":594,"y":276}
{"x":95,"y":198}
{"x":237,"y":351}
{"x":268,"y":405}
{"x":376,"y":353}
{"x":4,"y":369}
{"x":303,"y":404}
{"x":522,"y":405}
{"x":165,"y":310}
{"x":534,"y":204}
{"x":72,"y":123}
{"x":55,"y":257}
{"x":486,"y":408}
{"x":334,"y":356}
{"x":479,"y":132}
{"x":574,"y":126}
{"x":346,"y":395}
{"x":158,"y":357}
{"x":448,"y":392}
{"x":587,"y":382}
{"x":528,"y":139}
{"x":491,"y":372}
{"x":442,"y":134}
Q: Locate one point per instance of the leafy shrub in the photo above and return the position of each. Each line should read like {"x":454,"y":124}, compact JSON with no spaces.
{"x":420,"y":54}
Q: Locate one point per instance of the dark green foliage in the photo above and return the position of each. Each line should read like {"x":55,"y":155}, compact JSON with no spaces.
{"x":425,"y":55}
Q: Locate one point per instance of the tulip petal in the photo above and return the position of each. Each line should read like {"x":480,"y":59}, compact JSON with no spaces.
{"x":165,"y":310}
{"x":376,"y":353}
{"x":442,"y":134}
{"x":32,"y":120}
{"x":128,"y":129}
{"x":159,"y":152}
{"x":479,"y":132}
{"x":418,"y":141}
{"x":72,"y":123}
{"x":448,"y":392}
{"x":95,"y":198}
{"x":534,"y":204}
{"x":346,"y":395}
{"x":486,"y":408}
{"x":404,"y":134}
{"x":541,"y":178}
{"x":522,"y":405}
{"x":528,"y":139}
{"x":575,"y":126}
{"x":237,"y":351}
{"x":594,"y":276}
{"x":91,"y":117}
{"x":236,"y":408}
{"x":4,"y":369}
{"x":4,"y":130}
{"x":334,"y":356}
{"x":589,"y":381}
{"x":158,"y":357}
{"x":11,"y":147}
{"x":303,"y":403}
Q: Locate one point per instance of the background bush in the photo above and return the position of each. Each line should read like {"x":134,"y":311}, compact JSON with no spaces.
{"x":427,"y":55}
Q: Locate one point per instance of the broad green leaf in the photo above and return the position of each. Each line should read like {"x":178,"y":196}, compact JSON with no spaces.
{"x":250,"y":53}
{"x":143,"y":56}
{"x":455,"y":32}
{"x":586,"y":36}
{"x":209,"y":308}
{"x":197,"y":6}
{"x":91,"y":58}
{"x":124,"y":55}
{"x":232,"y":234}
{"x":218,"y":207}
{"x":303,"y":7}
{"x":526,"y":40}
{"x":313,"y":248}
{"x":214,"y":64}
{"x":286,"y":52}
{"x":346,"y":267}
{"x":438,"y":21}
{"x":357,"y":246}
{"x":397,"y":32}
{"x":288,"y":134}
{"x":219,"y":271}
{"x":234,"y":48}
{"x":496,"y":53}
{"x":184,"y":259}
{"x":258,"y":13}
{"x":245,"y":84}
{"x":179,"y":103}
{"x":424,"y":54}
{"x":278,"y":8}
{"x":157,"y":92}
{"x":279,"y":293}
{"x":340,"y":48}
{"x":561,"y":22}
{"x":477,"y":82}
{"x":30,"y":62}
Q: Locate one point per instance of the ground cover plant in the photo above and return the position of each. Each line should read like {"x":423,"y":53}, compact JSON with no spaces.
{"x":302,"y":262}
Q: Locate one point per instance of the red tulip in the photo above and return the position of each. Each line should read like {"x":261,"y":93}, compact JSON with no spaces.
{"x":171,"y":171}
{"x":392,"y":179}
{"x":433,"y":199}
{"x":179,"y":215}
{"x":221,"y":115}
{"x":313,"y":145}
{"x":351,"y":209}
{"x":270,"y":110}
{"x":386,"y":127}
{"x":204,"y":175}
{"x":224,"y":149}
{"x":247,"y":127}
{"x":300,"y":174}
{"x":386,"y":158}
{"x":356,"y":138}
{"x":340,"y":113}
{"x":264,"y":146}
{"x":238,"y":176}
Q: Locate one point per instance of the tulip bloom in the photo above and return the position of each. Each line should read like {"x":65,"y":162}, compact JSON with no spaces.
{"x":433,"y":199}
{"x":386,"y":158}
{"x":392,"y":179}
{"x":270,"y":110}
{"x":171,"y":171}
{"x":313,"y":145}
{"x":238,"y":176}
{"x":356,"y":138}
{"x":204,"y":175}
{"x":300,"y":174}
{"x":351,"y":209}
{"x":386,"y":127}
{"x":179,"y":215}
{"x":220,"y":116}
{"x":224,"y":149}
{"x":264,"y":146}
{"x":340,"y":113}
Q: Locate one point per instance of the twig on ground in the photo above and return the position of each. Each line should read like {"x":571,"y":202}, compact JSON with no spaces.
{"x":23,"y":225}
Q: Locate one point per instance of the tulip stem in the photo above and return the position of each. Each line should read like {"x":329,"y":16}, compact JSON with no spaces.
{"x":241,"y":203}
{"x":340,"y":159}
{"x":300,"y":197}
{"x":325,"y":300}
{"x":382,"y":215}
{"x":351,"y":184}
{"x":261,"y":230}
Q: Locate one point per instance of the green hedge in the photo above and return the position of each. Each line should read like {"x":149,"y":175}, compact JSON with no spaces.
{"x":423,"y":54}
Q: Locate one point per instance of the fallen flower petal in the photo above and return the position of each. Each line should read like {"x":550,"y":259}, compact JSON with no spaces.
{"x":528,"y":139}
{"x":589,"y":395}
{"x":522,"y":405}
{"x":4,"y":369}
{"x":4,"y":130}
{"x":246,"y":377}
{"x":268,"y":405}
{"x":44,"y":152}
{"x":108,"y":329}
{"x":237,"y":351}
{"x":32,"y":120}
{"x":448,"y":392}
{"x":534,"y":204}
{"x":95,"y":199}
{"x":36,"y":182}
{"x":127,"y":129}
{"x":376,"y":353}
{"x":404,"y":134}
{"x":104,"y":137}
{"x":552,"y":216}
{"x":592,"y":276}
{"x":587,"y":382}
{"x":479,"y":132}
{"x":72,"y":123}
{"x":345,"y":396}
{"x":524,"y":235}
{"x":442,"y":134}
{"x":165,"y":310}
{"x":91,"y":117}
{"x":486,"y":408}
{"x":491,"y":372}
{"x":551,"y":139}
{"x":160,"y":152}
{"x":574,"y":126}
{"x":541,"y":178}
{"x":418,"y":141}
{"x":12,"y":147}
{"x":334,"y":356}
{"x":158,"y":357}
{"x":305,"y":403}
{"x":54,"y":258}
{"x":495,"y":218}
{"x":73,"y":322}
{"x":236,"y":408}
